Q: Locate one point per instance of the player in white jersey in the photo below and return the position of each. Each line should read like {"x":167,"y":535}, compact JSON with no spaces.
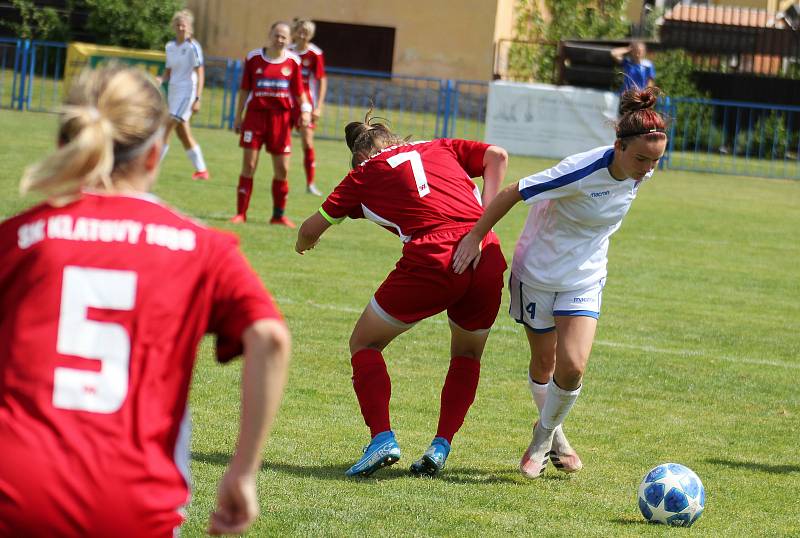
{"x":185,"y":73}
{"x":559,"y":266}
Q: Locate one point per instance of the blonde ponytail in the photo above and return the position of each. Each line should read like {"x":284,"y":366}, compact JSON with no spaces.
{"x":111,"y":116}
{"x":85,"y":157}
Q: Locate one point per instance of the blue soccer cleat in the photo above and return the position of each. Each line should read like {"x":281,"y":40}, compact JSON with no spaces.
{"x":382,"y":451}
{"x":432,"y":462}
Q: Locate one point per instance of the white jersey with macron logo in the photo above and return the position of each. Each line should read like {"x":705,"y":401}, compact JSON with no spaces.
{"x":576,"y":206}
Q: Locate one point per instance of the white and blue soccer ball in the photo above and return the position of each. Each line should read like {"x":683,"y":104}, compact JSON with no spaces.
{"x":672,"y":494}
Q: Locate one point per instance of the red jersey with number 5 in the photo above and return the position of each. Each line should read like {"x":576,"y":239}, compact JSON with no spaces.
{"x":273,"y":84}
{"x":414,"y":188}
{"x":102,"y":305}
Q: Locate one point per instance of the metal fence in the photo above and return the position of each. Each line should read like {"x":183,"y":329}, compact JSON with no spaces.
{"x":732,"y":137}
{"x":705,"y":135}
{"x":32,"y":75}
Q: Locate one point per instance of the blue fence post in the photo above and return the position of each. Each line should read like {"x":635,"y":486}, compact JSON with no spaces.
{"x":17,"y":61}
{"x":234,"y":84}
{"x":448,"y":105}
{"x":225,"y":92}
{"x":21,"y":67}
{"x":668,"y":109}
{"x":31,"y":75}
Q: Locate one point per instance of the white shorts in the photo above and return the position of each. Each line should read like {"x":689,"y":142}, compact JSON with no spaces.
{"x":180,"y":101}
{"x":537,"y":308}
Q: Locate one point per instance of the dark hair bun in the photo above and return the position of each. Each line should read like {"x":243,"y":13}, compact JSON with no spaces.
{"x":352,"y":131}
{"x":637,"y":99}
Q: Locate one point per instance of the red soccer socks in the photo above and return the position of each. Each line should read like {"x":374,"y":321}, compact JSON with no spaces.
{"x":373,"y":389}
{"x":458,"y":393}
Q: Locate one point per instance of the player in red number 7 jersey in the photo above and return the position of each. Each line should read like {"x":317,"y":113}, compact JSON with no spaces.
{"x":105,"y":293}
{"x":422,"y":192}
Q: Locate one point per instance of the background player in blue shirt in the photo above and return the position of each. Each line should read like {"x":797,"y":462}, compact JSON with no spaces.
{"x":637,"y":70}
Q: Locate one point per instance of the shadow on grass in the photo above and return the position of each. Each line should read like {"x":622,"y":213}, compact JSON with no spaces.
{"x":459,"y":475}
{"x":752,"y":466}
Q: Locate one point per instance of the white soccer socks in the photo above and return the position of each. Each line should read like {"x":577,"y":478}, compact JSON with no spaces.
{"x":557,"y":405}
{"x":195,"y":155}
{"x":550,"y":441}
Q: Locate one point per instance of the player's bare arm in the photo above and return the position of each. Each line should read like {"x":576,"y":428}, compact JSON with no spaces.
{"x":237,"y":119}
{"x":495,"y":163}
{"x":266,"y":359}
{"x":310,"y":231}
{"x":323,"y":90}
{"x":469,"y":249}
{"x":201,"y":79}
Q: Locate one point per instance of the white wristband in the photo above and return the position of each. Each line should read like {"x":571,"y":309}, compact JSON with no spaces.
{"x":306,"y":107}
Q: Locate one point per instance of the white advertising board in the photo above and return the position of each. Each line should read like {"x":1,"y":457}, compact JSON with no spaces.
{"x":549,"y":121}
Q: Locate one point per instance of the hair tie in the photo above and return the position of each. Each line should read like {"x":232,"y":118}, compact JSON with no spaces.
{"x":626,"y":134}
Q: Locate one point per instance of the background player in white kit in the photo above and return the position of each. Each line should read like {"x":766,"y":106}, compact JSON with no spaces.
{"x":559,"y":266}
{"x":185,"y":74}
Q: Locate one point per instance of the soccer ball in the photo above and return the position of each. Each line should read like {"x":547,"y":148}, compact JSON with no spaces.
{"x":672,"y":494}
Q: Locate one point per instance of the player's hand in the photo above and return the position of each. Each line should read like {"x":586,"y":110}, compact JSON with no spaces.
{"x":196,"y":106}
{"x":237,"y":125}
{"x":237,"y":504}
{"x":305,"y":119}
{"x":316,"y":114}
{"x":301,"y":248}
{"x":468,"y":251}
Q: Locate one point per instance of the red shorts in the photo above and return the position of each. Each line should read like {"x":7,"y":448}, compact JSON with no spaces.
{"x":271,"y":128}
{"x":423,"y":282}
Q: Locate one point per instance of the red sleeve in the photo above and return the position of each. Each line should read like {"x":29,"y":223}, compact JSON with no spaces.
{"x":343,"y":201}
{"x":319,"y":72}
{"x":296,"y":83}
{"x":470,"y":155}
{"x":239,"y":299}
{"x":247,"y":81}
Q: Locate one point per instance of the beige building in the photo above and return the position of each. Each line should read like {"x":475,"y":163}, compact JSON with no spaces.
{"x":438,"y":38}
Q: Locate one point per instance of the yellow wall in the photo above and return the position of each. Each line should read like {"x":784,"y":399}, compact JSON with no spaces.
{"x":439,"y":38}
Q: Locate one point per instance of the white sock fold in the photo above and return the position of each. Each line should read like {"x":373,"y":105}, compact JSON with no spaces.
{"x":538,"y":391}
{"x":164,"y":151}
{"x":195,"y":155}
{"x":557,"y":405}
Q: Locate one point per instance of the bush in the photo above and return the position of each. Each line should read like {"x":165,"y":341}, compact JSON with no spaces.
{"x":768,"y":138}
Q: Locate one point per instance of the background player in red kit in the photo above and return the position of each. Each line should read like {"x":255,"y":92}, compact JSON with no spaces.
{"x":270,"y":83}
{"x":316,"y":86}
{"x":422,"y":192}
{"x":104,"y":295}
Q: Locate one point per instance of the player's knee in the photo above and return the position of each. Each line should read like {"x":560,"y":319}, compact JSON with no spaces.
{"x":569,"y":375}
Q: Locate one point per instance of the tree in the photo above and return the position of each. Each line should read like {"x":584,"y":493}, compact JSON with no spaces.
{"x":37,"y":22}
{"x":131,"y":23}
{"x":569,"y":19}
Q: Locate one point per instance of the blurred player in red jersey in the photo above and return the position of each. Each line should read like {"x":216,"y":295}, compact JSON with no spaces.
{"x":315,"y":84}
{"x":421,"y":191}
{"x":105,"y":293}
{"x":271,"y":82}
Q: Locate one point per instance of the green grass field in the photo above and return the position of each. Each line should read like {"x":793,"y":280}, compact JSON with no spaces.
{"x":695,"y":361}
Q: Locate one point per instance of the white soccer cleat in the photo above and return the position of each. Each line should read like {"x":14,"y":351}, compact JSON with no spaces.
{"x":312,"y":189}
{"x":534,"y":460}
{"x":563,"y":456}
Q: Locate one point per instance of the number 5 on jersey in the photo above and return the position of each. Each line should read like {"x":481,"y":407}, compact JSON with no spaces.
{"x":87,"y":390}
{"x":416,"y":168}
